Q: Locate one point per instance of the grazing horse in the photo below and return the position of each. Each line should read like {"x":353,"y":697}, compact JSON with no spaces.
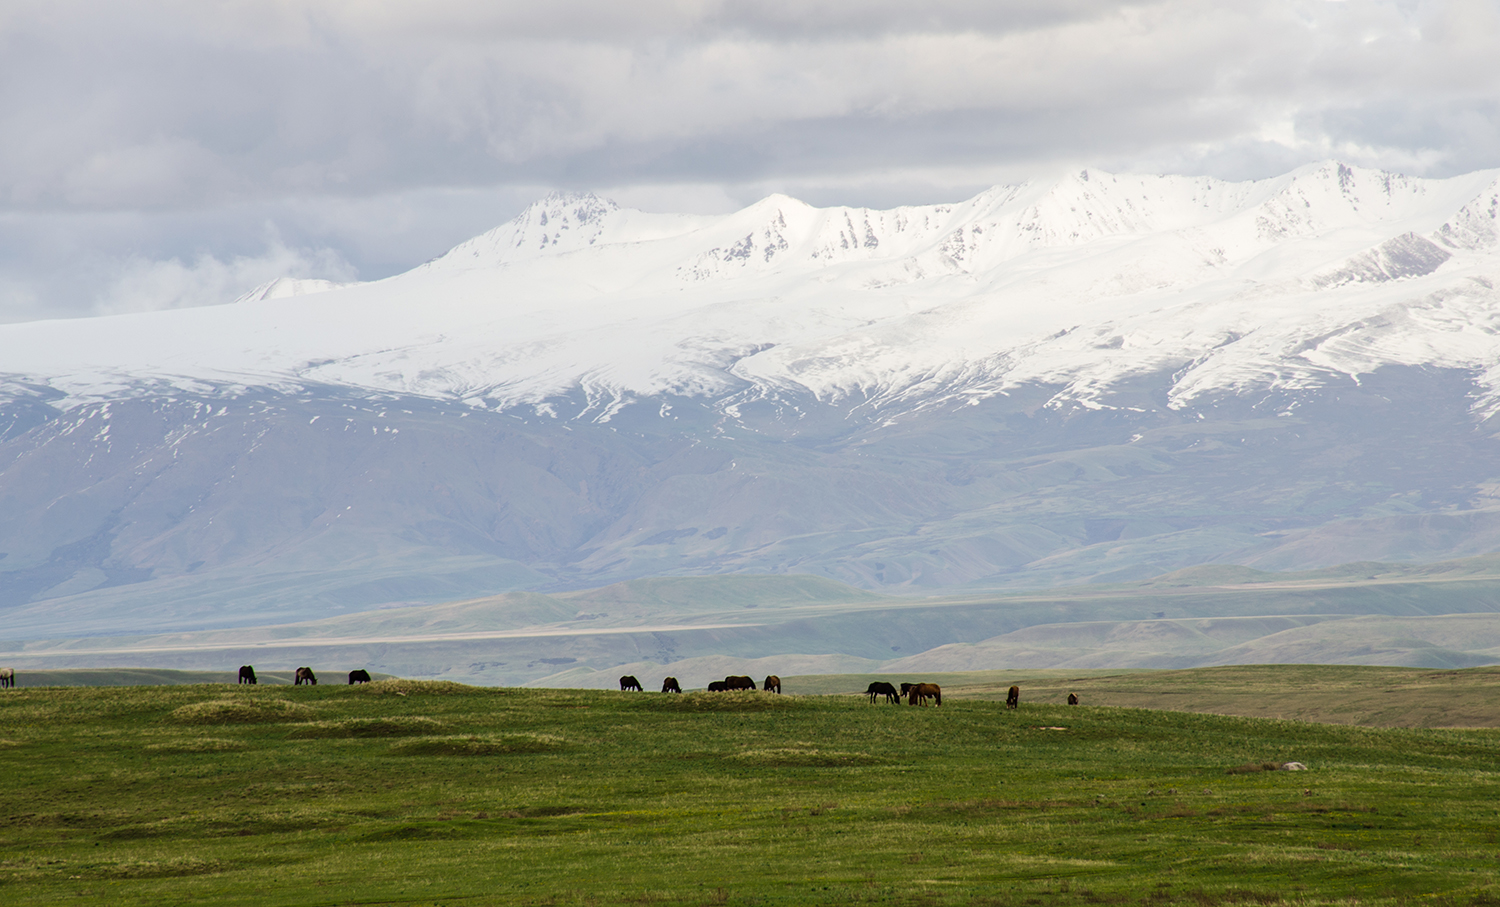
{"x":717,"y":686}
{"x":247,"y":674}
{"x":359,"y":675}
{"x":7,"y":678}
{"x":905,"y":688}
{"x":1072,"y":699}
{"x":304,"y":675}
{"x":1013,"y":697}
{"x":881,"y":688}
{"x":739,"y":682}
{"x":670,"y":685}
{"x":772,"y":683}
{"x":921,"y":692}
{"x":630,"y":683}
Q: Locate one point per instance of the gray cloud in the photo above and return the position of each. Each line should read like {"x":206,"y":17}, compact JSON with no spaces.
{"x":369,"y":135}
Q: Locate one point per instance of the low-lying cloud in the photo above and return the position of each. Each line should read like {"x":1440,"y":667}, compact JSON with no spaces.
{"x":143,"y":285}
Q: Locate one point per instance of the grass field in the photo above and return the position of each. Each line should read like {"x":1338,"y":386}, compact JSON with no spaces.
{"x":403,"y":792}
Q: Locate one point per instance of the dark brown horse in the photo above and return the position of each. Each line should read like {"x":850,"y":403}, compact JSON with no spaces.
{"x":881,"y":688}
{"x":717,"y":686}
{"x":670,"y":685}
{"x":919,"y":693}
{"x":739,"y":682}
{"x":630,"y":683}
{"x":1013,"y":697}
{"x":773,"y":683}
{"x":247,"y":674}
{"x":304,"y":675}
{"x":359,"y":675}
{"x":1072,"y":699}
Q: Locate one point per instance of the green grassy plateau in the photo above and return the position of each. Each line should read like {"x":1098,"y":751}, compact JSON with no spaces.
{"x":403,"y":792}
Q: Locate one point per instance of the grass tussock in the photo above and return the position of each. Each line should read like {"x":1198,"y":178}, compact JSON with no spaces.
{"x":400,"y":687}
{"x":241,"y":710}
{"x":402,"y":726}
{"x":432,"y":831}
{"x":803,"y":757}
{"x":151,"y":869}
{"x":197,"y":745}
{"x":33,"y":871}
{"x":472,"y":745}
{"x":738,"y":701}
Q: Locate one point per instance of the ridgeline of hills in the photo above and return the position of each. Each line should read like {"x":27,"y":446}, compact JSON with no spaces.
{"x":1441,"y":616}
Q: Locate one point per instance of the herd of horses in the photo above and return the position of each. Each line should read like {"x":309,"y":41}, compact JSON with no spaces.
{"x":247,"y":675}
{"x":733,"y":682}
{"x":304,"y":676}
{"x":913,"y":693}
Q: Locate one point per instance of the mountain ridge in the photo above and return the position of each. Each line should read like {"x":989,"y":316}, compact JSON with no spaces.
{"x":1173,"y":272}
{"x":1102,"y":378}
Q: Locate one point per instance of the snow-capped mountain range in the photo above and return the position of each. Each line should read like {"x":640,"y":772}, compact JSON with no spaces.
{"x":1099,"y":378}
{"x":1081,"y":283}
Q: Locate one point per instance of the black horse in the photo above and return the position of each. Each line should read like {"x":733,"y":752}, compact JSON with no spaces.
{"x":359,"y":675}
{"x":247,"y":674}
{"x":670,"y":685}
{"x":881,"y":688}
{"x":1013,"y":697}
{"x":718,"y":686}
{"x":304,"y":675}
{"x":630,"y":683}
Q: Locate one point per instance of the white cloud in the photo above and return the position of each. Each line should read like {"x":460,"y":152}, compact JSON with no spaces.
{"x":180,"y":112}
{"x":142,"y":285}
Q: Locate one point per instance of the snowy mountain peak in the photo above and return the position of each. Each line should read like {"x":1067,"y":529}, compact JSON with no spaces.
{"x":1476,"y":226}
{"x":552,"y":225}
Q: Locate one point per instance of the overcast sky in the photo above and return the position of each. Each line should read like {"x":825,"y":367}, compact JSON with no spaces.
{"x":179,"y":152}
